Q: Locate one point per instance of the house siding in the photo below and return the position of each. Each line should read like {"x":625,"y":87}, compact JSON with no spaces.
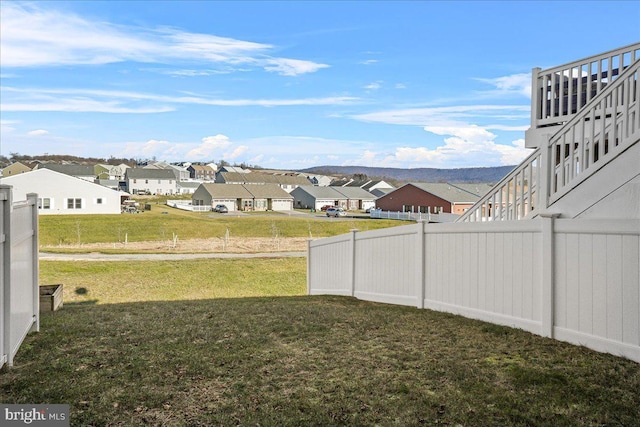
{"x":410,"y":196}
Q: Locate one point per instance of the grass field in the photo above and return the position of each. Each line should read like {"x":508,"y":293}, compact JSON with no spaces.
{"x":162,"y":223}
{"x":236,"y":342}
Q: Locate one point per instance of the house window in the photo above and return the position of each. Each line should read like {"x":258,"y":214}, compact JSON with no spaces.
{"x":135,"y":181}
{"x":159,"y":182}
{"x":74,"y":203}
{"x":44,"y":203}
{"x":99,"y":201}
{"x":146,"y":181}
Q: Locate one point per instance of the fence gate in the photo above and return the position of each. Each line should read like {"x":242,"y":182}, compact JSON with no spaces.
{"x":19,"y":291}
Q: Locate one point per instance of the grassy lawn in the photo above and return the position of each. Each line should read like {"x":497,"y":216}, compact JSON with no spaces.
{"x":163,"y":222}
{"x":236,"y":342}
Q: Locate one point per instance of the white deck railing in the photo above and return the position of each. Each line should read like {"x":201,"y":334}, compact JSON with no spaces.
{"x":573,"y":280}
{"x":560,"y":92}
{"x":606,"y":126}
{"x":516,"y":196}
{"x":19,"y":291}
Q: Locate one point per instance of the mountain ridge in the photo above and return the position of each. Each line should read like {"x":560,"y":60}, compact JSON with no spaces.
{"x":491,"y":174}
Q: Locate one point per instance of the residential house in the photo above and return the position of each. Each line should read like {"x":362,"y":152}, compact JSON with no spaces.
{"x":15,"y":169}
{"x":202,"y":172}
{"x":110,"y":172}
{"x":236,"y":169}
{"x":432,"y":198}
{"x":85,"y":172}
{"x":60,"y":193}
{"x":287,"y":182}
{"x":379,"y":192}
{"x":320,"y":180}
{"x":181,"y":173}
{"x":151,"y":181}
{"x":357,"y":198}
{"x":241,"y":197}
{"x":187,"y":187}
{"x":314,"y":197}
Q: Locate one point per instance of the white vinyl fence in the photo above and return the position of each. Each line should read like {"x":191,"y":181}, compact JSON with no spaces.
{"x":573,"y":280}
{"x":19,"y":292}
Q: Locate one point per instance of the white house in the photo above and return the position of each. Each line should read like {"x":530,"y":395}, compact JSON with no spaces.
{"x":151,"y":181}
{"x":59,"y":193}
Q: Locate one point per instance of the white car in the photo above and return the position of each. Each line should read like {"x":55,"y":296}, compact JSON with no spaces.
{"x":336,"y":212}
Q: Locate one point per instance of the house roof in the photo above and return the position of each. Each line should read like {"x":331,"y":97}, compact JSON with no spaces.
{"x":321,"y":192}
{"x":267,"y":191}
{"x":355,"y":193}
{"x":449,"y":192}
{"x":188,"y":184}
{"x":74,"y":170}
{"x":202,"y":168}
{"x":246,"y":191}
{"x":227,"y":191}
{"x":262,"y":178}
{"x":140,"y":173}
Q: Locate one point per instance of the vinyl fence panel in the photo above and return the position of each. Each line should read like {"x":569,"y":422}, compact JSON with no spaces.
{"x":574,"y":280}
{"x":19,"y":297}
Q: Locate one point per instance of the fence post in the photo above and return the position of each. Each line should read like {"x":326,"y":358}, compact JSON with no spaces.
{"x":308,"y":266}
{"x":5,"y":273}
{"x":420,"y":273}
{"x":352,"y":278}
{"x":32,"y":199}
{"x":548,"y":274}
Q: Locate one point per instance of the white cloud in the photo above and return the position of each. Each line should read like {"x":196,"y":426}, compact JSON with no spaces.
{"x":374,"y":86}
{"x":519,"y":84}
{"x":446,"y":116}
{"x":211,"y":147}
{"x":237,"y":152}
{"x":38,"y":132}
{"x":292,"y":67}
{"x":104,"y":101}
{"x":368,"y":62}
{"x":400,"y":86}
{"x":33,"y":35}
{"x":7,"y":125}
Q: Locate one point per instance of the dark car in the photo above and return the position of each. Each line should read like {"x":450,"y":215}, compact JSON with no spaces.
{"x":221,"y":209}
{"x":325,"y":207}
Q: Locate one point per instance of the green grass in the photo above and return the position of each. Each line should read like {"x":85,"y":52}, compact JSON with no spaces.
{"x":162,"y":222}
{"x":239,"y":344}
{"x":121,"y":282}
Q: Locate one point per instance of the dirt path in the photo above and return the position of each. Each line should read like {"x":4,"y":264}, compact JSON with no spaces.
{"x":250,"y":247}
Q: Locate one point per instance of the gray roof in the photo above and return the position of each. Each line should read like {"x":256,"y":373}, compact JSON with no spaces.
{"x":140,"y":173}
{"x":355,"y":193}
{"x":227,"y":191}
{"x":320,"y":192}
{"x":73,"y":170}
{"x":246,"y":191}
{"x":261,"y":178}
{"x":267,"y":191}
{"x":188,"y":184}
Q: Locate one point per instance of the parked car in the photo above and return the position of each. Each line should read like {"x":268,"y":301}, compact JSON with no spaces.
{"x":336,"y":212}
{"x":325,"y":207}
{"x":221,"y":209}
{"x":372,"y":208}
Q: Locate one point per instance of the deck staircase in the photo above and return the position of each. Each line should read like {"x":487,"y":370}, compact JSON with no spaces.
{"x":585,"y":127}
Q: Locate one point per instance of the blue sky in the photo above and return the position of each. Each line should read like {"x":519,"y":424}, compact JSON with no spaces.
{"x":289,"y":84}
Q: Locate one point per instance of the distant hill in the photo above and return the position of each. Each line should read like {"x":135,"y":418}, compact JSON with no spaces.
{"x":462,"y":175}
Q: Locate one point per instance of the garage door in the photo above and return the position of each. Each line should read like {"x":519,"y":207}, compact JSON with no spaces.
{"x":282,"y":205}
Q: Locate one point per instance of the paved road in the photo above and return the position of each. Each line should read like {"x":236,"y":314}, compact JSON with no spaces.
{"x":94,"y":256}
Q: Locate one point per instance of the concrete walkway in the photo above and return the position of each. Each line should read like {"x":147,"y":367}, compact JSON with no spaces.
{"x":94,"y":256}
